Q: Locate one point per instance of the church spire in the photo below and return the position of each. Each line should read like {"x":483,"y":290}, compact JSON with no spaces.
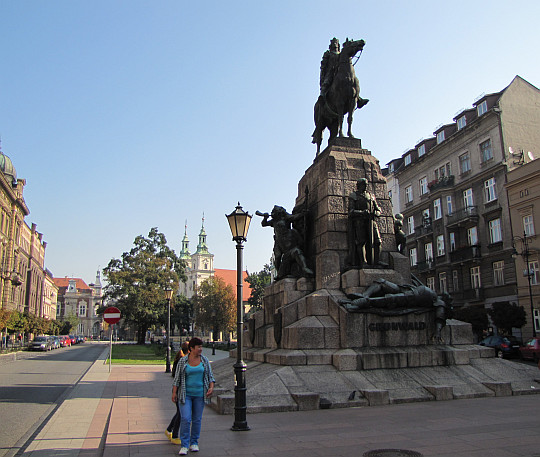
{"x":184,"y":253}
{"x":202,"y":248}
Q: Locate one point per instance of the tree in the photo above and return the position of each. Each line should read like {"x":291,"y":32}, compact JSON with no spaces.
{"x":4,"y":318}
{"x":182,"y":314}
{"x":16,"y":322}
{"x":214,"y":305}
{"x":506,"y":316}
{"x":475,"y":315}
{"x":137,"y":281}
{"x":258,"y":282}
{"x":69,"y":322}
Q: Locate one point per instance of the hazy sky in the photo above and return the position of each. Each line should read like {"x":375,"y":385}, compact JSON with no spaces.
{"x":127,"y":115}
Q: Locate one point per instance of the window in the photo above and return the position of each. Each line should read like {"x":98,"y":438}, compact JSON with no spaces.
{"x":498,"y":273}
{"x":481,"y":108}
{"x":490,"y":192}
{"x":452,"y":236}
{"x":421,"y":150}
{"x":407,"y":159}
{"x":423,"y":185}
{"x":468,"y":200}
{"x":495,"y":234}
{"x":449,"y":208}
{"x":82,"y":310}
{"x":412,"y":256}
{"x":461,"y":122}
{"x":390,"y":194}
{"x":428,"y":248}
{"x":440,"y":245}
{"x":485,"y":150}
{"x":408,"y":194}
{"x":442,"y":282}
{"x":390,"y":167}
{"x":534,"y":272}
{"x":464,"y":163}
{"x":437,"y":209}
{"x":528,"y":225}
{"x":440,"y":137}
{"x":476,"y":283}
{"x":455,"y":280}
{"x":426,"y":219}
{"x":472,"y":236}
{"x":430,"y":282}
{"x":80,"y":328}
{"x":410,"y":225}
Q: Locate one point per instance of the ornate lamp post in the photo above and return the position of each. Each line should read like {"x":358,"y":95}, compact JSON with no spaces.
{"x":168,"y":296}
{"x":239,"y":223}
{"x":525,"y":251}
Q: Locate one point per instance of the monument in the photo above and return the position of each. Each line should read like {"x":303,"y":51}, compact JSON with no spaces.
{"x":345,"y":323}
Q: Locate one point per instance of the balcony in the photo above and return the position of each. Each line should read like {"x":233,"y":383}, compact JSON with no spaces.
{"x":425,"y":266}
{"x":445,"y":181}
{"x":469,"y":295}
{"x":465,"y":253}
{"x":462,"y":217}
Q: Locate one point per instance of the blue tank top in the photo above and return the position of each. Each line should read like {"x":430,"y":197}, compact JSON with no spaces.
{"x":194,"y":380}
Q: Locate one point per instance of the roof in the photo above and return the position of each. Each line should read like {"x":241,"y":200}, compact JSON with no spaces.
{"x":229,"y":276}
{"x":64,"y":282}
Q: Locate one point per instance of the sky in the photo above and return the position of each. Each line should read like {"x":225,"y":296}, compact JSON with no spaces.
{"x":123,"y":115}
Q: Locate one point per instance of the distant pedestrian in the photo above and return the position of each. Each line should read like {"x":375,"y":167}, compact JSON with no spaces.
{"x":174,"y":426}
{"x":196,"y":381}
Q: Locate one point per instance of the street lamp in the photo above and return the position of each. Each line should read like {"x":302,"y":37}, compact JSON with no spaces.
{"x":168,"y":296}
{"x":525,"y":240}
{"x":239,"y":223}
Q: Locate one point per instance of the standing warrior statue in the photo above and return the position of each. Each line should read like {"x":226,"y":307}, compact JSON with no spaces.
{"x":365,"y":244}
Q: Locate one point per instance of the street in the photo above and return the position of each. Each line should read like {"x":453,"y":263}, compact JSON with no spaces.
{"x":33,"y":388}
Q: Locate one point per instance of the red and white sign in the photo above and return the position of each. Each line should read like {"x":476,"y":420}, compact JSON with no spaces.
{"x":111,"y":315}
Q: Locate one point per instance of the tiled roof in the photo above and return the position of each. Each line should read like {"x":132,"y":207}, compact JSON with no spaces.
{"x":229,"y":276}
{"x":64,"y":282}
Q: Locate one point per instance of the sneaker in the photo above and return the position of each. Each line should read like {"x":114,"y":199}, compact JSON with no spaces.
{"x":183,"y":451}
{"x":168,"y":434}
{"x":194,"y":448}
{"x":175,"y":440}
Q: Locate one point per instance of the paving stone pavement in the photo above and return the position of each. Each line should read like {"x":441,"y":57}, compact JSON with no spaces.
{"x":125,"y":412}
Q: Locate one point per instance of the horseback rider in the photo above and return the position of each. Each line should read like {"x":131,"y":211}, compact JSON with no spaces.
{"x":329,"y":65}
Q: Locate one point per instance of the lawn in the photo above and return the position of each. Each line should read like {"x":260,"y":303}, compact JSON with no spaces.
{"x":137,"y":354}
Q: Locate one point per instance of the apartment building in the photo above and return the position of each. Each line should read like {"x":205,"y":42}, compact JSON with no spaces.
{"x":453,"y":198}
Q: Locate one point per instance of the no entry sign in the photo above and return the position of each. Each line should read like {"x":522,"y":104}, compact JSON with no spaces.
{"x":111,"y":315}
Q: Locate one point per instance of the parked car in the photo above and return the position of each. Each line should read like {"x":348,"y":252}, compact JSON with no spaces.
{"x":505,"y":346}
{"x":41,"y":343}
{"x":55,"y":342}
{"x":73,"y":339}
{"x":531,"y":350}
{"x":65,"y":341}
{"x":80,"y":339}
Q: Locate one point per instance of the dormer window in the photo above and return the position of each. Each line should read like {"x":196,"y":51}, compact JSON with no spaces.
{"x":407,"y":159}
{"x":461,"y":122}
{"x":481,"y":108}
{"x":440,"y":137}
{"x":391,"y":167}
{"x":421,"y":150}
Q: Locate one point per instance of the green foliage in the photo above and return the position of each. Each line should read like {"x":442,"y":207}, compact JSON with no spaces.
{"x":37,"y":325}
{"x":258,"y":282}
{"x":4,"y":318}
{"x":16,"y":322}
{"x":70,"y":322}
{"x":182,"y":314}
{"x":214,"y":305}
{"x":475,"y":315}
{"x":506,"y":316}
{"x":136,"y":282}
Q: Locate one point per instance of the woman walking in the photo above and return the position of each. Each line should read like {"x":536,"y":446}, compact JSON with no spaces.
{"x":174,"y":426}
{"x":196,"y":381}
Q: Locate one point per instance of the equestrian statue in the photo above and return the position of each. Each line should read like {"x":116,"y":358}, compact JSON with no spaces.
{"x":340,"y":90}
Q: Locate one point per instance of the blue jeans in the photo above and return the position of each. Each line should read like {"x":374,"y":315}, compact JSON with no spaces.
{"x":191,"y":417}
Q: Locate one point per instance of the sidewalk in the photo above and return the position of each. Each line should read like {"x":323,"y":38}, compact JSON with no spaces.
{"x":125,"y":414}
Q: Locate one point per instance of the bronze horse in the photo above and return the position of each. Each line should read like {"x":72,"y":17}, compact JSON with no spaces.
{"x":342,"y":97}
